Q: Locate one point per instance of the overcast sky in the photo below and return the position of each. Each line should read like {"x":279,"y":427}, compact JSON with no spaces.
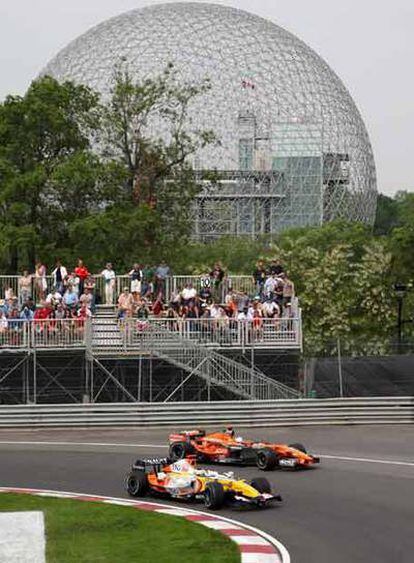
{"x":368,"y":43}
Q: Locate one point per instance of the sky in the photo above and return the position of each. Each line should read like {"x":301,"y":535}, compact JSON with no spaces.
{"x":368,"y":43}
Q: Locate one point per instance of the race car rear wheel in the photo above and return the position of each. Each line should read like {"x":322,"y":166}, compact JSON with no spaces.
{"x":266,"y":460}
{"x":214,"y":495}
{"x":137,"y":483}
{"x":299,"y":447}
{"x":261,"y":484}
{"x":179,"y":450}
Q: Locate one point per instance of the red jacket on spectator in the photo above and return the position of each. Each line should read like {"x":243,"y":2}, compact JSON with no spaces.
{"x":82,"y":272}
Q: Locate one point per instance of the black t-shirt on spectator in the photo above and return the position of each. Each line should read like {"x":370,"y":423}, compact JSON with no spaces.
{"x":259,"y":275}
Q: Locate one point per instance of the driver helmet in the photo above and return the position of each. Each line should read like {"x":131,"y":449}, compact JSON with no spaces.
{"x":229,"y":431}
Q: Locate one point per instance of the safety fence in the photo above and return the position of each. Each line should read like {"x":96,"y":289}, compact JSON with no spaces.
{"x":298,"y":412}
{"x":223,"y":332}
{"x":17,"y":334}
{"x":128,"y":334}
{"x":170,"y":286}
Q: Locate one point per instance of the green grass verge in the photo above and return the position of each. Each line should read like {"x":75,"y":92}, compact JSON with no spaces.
{"x":86,"y":532}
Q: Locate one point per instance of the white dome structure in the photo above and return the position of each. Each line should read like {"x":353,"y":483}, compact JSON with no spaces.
{"x":294,"y":149}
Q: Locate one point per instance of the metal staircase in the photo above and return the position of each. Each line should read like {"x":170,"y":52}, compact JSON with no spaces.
{"x":109,"y":338}
{"x":216,"y":369}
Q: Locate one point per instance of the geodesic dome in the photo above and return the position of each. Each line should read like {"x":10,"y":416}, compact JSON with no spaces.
{"x":294,"y":150}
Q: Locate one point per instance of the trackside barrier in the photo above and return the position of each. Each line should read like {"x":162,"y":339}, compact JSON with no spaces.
{"x":302,"y":412}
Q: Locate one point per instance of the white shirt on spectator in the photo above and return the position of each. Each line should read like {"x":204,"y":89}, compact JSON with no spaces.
{"x":108,"y":275}
{"x":189,"y":293}
{"x":54,"y":297}
{"x":269,"y":308}
{"x":270,"y":285}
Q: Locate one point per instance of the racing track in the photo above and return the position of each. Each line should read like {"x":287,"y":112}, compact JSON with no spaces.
{"x":353,"y":508}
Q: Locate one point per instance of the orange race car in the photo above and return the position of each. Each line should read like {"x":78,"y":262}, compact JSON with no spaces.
{"x":183,"y":480}
{"x":226,"y":447}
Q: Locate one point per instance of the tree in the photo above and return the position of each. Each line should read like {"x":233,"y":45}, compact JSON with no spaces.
{"x":42,"y":134}
{"x":157,"y":169}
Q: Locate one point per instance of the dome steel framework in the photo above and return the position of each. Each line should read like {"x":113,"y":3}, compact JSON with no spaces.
{"x":294,"y":149}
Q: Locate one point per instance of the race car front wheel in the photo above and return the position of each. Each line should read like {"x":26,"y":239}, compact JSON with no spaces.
{"x":214,"y":495}
{"x":261,"y":484}
{"x":299,"y":447}
{"x":137,"y":483}
{"x":266,"y":460}
{"x":179,"y":450}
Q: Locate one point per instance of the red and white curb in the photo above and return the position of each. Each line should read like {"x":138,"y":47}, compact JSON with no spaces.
{"x":255,"y":546}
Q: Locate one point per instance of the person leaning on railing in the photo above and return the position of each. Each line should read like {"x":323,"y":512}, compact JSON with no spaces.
{"x":24,"y":285}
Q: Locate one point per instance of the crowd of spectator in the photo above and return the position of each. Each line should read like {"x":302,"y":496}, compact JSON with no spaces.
{"x":74,"y":294}
{"x":212,"y":298}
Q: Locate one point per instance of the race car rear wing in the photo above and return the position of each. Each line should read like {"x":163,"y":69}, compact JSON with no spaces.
{"x":155,"y":464}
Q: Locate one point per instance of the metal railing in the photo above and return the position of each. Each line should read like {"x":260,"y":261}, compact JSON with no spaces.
{"x":42,"y":334}
{"x":127,"y":335}
{"x":302,"y":412}
{"x":215,"y":333}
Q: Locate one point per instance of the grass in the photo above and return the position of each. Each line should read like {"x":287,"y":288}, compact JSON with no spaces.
{"x":85,"y":532}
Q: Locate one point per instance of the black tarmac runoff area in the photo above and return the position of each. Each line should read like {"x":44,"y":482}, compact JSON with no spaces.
{"x":356,"y":507}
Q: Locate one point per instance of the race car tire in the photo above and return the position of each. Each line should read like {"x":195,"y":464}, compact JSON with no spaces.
{"x":299,"y":447}
{"x":179,"y":450}
{"x":137,"y":483}
{"x":214,"y":495}
{"x":261,"y":484}
{"x":266,"y":460}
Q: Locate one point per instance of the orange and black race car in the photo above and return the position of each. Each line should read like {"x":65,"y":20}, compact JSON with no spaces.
{"x":183,"y":480}
{"x":226,"y":447}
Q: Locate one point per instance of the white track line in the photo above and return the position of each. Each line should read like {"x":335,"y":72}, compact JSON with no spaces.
{"x":368,"y":460}
{"x":165,"y":446}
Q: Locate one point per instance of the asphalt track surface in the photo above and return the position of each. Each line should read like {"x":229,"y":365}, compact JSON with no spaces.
{"x":358,"y":506}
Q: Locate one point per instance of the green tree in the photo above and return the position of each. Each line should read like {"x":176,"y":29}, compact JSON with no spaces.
{"x":42,"y":134}
{"x":157,"y":169}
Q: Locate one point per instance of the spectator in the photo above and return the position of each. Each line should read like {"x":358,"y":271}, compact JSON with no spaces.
{"x":9,"y":294}
{"x":87,"y":299}
{"x":109,"y":277}
{"x":125,"y":304}
{"x":162,"y":272}
{"x":73,"y":280}
{"x":24,"y":286}
{"x":279,"y":291}
{"x":205,"y":293}
{"x":158,"y":305}
{"x":147,"y":284}
{"x":270,"y":286}
{"x":259,"y":277}
{"x":275,"y":268}
{"x":288,"y":289}
{"x":82,"y":273}
{"x":53,"y":298}
{"x":188,"y":294}
{"x":26,"y":314}
{"x":217,"y":276}
{"x":59,"y":274}
{"x":3,"y":322}
{"x":70,"y":298}
{"x":270,"y":309}
{"x":136,"y":276}
{"x":40,"y":281}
